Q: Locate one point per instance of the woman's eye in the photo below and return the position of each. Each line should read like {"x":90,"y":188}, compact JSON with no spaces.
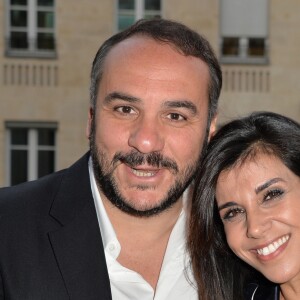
{"x":233,"y":213}
{"x":125,"y":110}
{"x":272,"y":194}
{"x":176,"y":117}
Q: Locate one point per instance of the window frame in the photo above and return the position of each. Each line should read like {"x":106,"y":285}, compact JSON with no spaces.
{"x":243,"y":49}
{"x":32,"y":30}
{"x":238,"y":28}
{"x":32,"y":147}
{"x":138,"y":12}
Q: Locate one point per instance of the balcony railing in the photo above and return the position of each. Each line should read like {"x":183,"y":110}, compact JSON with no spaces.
{"x":246,"y":79}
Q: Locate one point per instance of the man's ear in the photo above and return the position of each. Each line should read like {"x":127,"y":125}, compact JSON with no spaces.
{"x":213,"y":126}
{"x":88,"y":130}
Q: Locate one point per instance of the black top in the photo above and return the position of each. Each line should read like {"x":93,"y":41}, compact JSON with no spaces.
{"x":262,"y":291}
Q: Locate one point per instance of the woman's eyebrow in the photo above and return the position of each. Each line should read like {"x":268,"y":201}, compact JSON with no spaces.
{"x":227,"y":204}
{"x":267,"y":184}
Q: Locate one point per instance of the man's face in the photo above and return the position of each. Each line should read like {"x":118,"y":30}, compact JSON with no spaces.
{"x":149,"y":125}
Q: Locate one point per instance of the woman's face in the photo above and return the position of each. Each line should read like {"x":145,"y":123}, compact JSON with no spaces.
{"x":259,"y":204}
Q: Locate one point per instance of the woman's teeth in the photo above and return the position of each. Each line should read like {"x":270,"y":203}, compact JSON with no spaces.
{"x":273,"y":246}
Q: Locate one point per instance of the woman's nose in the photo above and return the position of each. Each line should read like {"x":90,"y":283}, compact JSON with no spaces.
{"x":257,"y":225}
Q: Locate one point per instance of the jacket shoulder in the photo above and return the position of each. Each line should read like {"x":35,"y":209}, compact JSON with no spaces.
{"x":29,"y":194}
{"x":38,"y":193}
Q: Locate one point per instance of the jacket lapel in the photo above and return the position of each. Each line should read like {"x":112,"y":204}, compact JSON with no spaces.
{"x":78,"y":245}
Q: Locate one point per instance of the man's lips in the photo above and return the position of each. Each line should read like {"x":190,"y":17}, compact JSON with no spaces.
{"x":144,"y":173}
{"x":150,"y":162}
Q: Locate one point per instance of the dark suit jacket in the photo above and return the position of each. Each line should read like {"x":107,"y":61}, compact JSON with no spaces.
{"x":50,"y":242}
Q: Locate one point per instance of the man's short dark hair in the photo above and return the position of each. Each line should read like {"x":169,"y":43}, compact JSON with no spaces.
{"x":182,"y":38}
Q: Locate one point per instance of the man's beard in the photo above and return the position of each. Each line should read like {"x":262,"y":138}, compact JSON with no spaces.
{"x":103,"y":171}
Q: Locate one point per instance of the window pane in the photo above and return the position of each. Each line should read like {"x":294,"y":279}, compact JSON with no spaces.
{"x":19,"y":136}
{"x":45,"y":3}
{"x":46,"y":137}
{"x":18,"y":18}
{"x":126,"y":4}
{"x":125,"y":22}
{"x":45,"y":41}
{"x":18,"y":2}
{"x":152,"y":4}
{"x":45,"y":162}
{"x":244,"y":18}
{"x":230,"y":46}
{"x":18,"y":40}
{"x":256,"y":47}
{"x":19,"y":166}
{"x":152,"y":16}
{"x":45,"y":19}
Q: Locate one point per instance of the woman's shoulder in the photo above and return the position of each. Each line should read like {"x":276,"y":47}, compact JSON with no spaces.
{"x":261,"y":291}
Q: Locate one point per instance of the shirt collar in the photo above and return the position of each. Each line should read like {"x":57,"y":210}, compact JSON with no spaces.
{"x":177,"y":238}
{"x":108,"y":234}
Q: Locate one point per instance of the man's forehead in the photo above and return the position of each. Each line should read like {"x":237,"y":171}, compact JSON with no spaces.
{"x":137,"y":45}
{"x":153,"y":53}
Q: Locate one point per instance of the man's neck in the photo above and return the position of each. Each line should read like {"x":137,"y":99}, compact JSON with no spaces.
{"x":143,"y":240}
{"x":147,"y":227}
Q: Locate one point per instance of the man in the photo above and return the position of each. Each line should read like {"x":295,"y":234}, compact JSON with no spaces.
{"x":112,"y":226}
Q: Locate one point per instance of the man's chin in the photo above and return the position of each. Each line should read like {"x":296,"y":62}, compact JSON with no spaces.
{"x":140,"y":207}
{"x":144,"y":207}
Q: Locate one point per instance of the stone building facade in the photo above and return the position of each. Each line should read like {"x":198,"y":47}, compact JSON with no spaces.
{"x":47,"y":47}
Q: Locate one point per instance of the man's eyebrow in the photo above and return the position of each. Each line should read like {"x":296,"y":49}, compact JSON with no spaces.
{"x":182,"y":103}
{"x":267,"y":184}
{"x":120,"y":96}
{"x":225,"y":205}
{"x":170,"y":104}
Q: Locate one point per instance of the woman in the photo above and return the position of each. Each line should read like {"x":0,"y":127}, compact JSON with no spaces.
{"x":248,"y":193}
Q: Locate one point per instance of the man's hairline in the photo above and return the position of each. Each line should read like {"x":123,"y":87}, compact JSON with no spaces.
{"x":211,"y":113}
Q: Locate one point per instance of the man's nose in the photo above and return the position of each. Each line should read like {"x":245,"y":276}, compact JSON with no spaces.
{"x":147,"y":136}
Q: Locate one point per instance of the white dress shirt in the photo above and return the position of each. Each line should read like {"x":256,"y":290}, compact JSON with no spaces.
{"x":175,"y":277}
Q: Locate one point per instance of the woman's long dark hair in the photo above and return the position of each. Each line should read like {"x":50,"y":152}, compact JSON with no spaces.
{"x":219,"y":274}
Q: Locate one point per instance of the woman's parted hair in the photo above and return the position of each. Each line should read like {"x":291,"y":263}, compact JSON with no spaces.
{"x":217,"y":271}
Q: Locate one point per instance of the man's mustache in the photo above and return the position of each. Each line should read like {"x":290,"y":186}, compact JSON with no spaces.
{"x":154,"y":159}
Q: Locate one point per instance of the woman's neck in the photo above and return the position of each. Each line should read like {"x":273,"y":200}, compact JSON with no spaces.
{"x":290,"y":290}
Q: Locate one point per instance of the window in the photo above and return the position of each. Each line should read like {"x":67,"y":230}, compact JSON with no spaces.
{"x":130,"y":11}
{"x":30,"y":28}
{"x":244,"y":31}
{"x":31,"y":150}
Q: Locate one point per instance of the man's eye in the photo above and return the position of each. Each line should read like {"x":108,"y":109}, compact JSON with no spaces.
{"x":176,"y":117}
{"x":125,"y":110}
{"x":233,"y":213}
{"x":272,"y":194}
